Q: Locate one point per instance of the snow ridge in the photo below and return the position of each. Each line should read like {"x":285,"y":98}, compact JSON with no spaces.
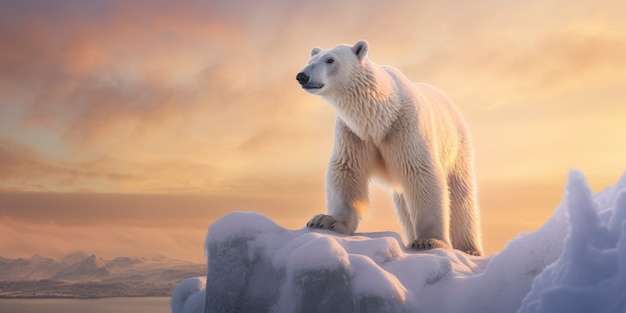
{"x":590,"y":275}
{"x":575,"y":262}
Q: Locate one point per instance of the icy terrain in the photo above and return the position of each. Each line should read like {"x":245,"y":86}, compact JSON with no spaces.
{"x":576,"y":262}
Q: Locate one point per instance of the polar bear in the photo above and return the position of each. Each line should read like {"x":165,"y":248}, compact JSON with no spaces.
{"x":409,"y":136}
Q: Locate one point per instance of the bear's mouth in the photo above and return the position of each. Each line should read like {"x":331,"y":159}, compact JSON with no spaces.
{"x":311,"y":86}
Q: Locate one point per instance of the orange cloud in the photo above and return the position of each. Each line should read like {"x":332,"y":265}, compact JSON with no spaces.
{"x":200,"y":98}
{"x":54,"y":224}
{"x":24,"y":239}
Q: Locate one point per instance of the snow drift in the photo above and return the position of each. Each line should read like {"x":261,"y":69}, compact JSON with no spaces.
{"x":576,"y":262}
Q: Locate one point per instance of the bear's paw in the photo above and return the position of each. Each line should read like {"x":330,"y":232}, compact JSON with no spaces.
{"x":428,"y":243}
{"x":323,"y":221}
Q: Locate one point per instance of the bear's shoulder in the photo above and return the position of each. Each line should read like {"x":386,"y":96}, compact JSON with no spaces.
{"x":396,"y":75}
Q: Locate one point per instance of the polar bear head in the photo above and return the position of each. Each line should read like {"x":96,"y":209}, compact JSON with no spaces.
{"x":329,"y":71}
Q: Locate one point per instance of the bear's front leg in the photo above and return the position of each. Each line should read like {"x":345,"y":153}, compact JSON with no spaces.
{"x":346,"y":192}
{"x":428,"y":202}
{"x":429,"y":208}
{"x":346,"y":183}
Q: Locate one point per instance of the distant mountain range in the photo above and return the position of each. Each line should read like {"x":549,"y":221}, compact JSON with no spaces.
{"x":79,"y":275}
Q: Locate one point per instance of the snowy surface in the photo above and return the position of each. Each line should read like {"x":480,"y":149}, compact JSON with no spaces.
{"x":576,"y":262}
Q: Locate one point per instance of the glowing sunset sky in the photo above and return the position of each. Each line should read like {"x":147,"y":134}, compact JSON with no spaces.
{"x":128,"y":127}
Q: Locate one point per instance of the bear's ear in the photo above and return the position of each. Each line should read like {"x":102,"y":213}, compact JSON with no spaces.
{"x":315,"y":50}
{"x":360,"y":49}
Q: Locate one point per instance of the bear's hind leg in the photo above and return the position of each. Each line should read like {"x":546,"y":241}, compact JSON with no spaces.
{"x":464,"y":215}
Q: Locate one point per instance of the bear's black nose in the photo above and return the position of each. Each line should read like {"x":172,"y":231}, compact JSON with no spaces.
{"x":302,"y":78}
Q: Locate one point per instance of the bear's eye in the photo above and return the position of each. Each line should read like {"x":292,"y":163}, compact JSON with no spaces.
{"x":330,"y":61}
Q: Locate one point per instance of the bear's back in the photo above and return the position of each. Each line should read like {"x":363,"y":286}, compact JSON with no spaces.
{"x":439,"y":120}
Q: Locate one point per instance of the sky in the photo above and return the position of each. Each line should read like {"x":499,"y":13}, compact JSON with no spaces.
{"x":128,"y":127}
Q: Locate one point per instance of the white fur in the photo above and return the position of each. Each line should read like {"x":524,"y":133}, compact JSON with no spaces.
{"x":409,"y":136}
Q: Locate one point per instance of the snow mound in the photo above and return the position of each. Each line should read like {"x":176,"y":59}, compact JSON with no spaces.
{"x":188,"y":296}
{"x":576,"y":262}
{"x":590,"y":274}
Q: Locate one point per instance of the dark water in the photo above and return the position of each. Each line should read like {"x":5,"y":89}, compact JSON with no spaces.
{"x":109,"y":305}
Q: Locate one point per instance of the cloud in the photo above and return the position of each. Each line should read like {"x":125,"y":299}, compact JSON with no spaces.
{"x":151,"y":86}
{"x":111,"y":225}
{"x":23,"y":168}
{"x":23,"y":239}
{"x":200,"y":98}
{"x":491,"y":63}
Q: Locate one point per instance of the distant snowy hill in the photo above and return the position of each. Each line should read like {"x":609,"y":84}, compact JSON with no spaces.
{"x":34,"y":268}
{"x":81,"y":275}
{"x":576,"y":262}
{"x":90,"y":269}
